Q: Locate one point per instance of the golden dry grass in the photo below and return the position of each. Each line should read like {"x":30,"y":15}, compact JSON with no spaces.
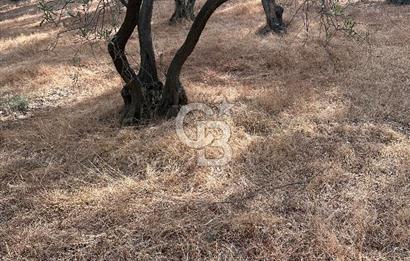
{"x":333,"y":122}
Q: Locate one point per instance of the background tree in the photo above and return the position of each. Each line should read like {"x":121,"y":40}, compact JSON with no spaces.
{"x":274,"y":13}
{"x":184,"y":10}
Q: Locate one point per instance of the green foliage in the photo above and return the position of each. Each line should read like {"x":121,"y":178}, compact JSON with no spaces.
{"x":336,"y":10}
{"x":18,"y":103}
{"x":100,"y":19}
{"x":48,"y":12}
{"x":334,"y":19}
{"x":348,"y":25}
{"x":91,"y":19}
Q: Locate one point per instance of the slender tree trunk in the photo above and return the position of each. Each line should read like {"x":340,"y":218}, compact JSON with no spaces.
{"x":116,"y":48}
{"x":148,"y":69}
{"x":174,"y":94}
{"x":184,"y":10}
{"x":148,"y":75}
{"x":274,"y":15}
{"x":145,"y":89}
{"x":142,"y":92}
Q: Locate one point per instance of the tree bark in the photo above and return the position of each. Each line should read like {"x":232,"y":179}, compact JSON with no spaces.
{"x":148,"y":75}
{"x":174,"y":94}
{"x":145,"y":90}
{"x":148,"y":69}
{"x":116,"y":49}
{"x":124,"y":2}
{"x":184,"y":10}
{"x":142,"y":92}
{"x":274,"y":15}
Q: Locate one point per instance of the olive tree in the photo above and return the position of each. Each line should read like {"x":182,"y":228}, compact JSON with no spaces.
{"x":145,"y":96}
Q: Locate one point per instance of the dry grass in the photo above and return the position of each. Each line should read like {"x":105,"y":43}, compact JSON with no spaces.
{"x":334,"y":123}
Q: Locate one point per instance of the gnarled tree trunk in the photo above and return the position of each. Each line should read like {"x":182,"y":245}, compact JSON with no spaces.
{"x":116,"y":49}
{"x":116,"y":46}
{"x":142,"y":92}
{"x":274,"y":15}
{"x":145,"y":89}
{"x":184,"y":10}
{"x":144,"y":95}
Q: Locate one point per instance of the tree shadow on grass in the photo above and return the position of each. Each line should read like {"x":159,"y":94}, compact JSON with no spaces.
{"x":72,"y":166}
{"x":18,"y":11}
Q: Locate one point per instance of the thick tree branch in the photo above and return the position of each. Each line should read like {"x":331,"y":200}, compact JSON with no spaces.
{"x":116,"y":47}
{"x":193,"y":37}
{"x":174,"y":94}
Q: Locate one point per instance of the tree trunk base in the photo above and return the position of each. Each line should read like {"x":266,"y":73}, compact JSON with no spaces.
{"x":173,"y":98}
{"x":141,"y":101}
{"x":266,"y":29}
{"x":147,"y":101}
{"x":274,"y":17}
{"x":184,"y":10}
